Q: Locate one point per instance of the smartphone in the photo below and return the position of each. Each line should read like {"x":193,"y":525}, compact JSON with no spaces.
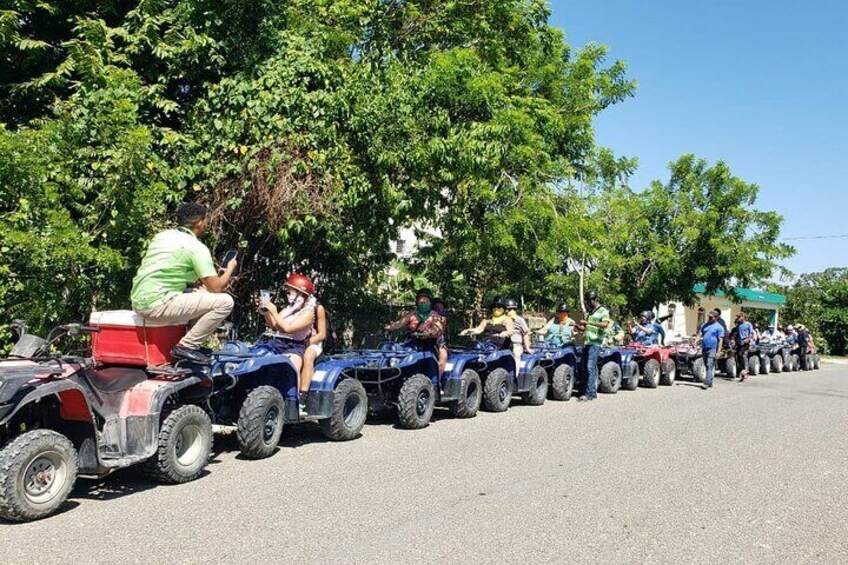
{"x":264,"y":295}
{"x":231,"y":254}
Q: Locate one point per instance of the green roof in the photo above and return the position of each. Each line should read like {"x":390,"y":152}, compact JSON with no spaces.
{"x":748,"y":294}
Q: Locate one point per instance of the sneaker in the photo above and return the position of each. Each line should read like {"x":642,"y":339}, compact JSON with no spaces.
{"x":184,"y":353}
{"x":705,"y":386}
{"x":585,"y":398}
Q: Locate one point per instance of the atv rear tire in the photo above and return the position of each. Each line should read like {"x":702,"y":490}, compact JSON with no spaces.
{"x":562,"y":383}
{"x":669,"y":372}
{"x":651,"y":373}
{"x":497,"y":391}
{"x":609,"y":380}
{"x":765,"y":366}
{"x":796,"y":362}
{"x":816,"y":362}
{"x":260,"y":422}
{"x":699,"y":370}
{"x":753,"y":366}
{"x":185,"y":443}
{"x":730,"y":368}
{"x":777,"y":364}
{"x":350,"y":409}
{"x":470,"y":395}
{"x":37,"y":472}
{"x":416,"y":402}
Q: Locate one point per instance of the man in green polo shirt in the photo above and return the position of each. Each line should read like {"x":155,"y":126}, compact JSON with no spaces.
{"x":593,"y":330}
{"x":174,"y":259}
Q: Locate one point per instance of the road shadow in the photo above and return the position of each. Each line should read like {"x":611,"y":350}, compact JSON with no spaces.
{"x":294,"y":436}
{"x":121,"y":483}
{"x":688,"y":383}
{"x":66,"y":507}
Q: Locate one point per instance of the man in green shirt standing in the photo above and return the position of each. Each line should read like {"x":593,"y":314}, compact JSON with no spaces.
{"x":593,"y":337}
{"x":174,"y":259}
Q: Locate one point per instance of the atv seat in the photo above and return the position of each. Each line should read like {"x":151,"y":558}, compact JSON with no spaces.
{"x":116,"y":379}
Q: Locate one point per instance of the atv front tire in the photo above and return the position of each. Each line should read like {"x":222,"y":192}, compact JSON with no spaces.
{"x":730,"y":369}
{"x":350,"y":409}
{"x":753,"y":366}
{"x":651,"y":373}
{"x":37,"y":472}
{"x":539,"y":392}
{"x":609,"y":380}
{"x":497,"y":391}
{"x":699,"y":370}
{"x":633,"y":381}
{"x":669,"y":372}
{"x":470,"y":395}
{"x":562,"y":383}
{"x":777,"y":364}
{"x":185,"y":443}
{"x":260,"y":422}
{"x":416,"y":401}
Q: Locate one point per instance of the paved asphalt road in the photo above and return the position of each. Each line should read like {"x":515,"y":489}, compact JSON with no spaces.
{"x":750,"y":472}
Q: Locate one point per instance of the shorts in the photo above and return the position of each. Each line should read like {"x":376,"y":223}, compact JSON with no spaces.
{"x":317,"y":348}
{"x":282,"y":346}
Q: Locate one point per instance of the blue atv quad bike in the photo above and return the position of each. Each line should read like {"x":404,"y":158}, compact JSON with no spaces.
{"x":616,"y":369}
{"x":495,"y":369}
{"x":561,"y":364}
{"x":255,"y":390}
{"x":403,"y":377}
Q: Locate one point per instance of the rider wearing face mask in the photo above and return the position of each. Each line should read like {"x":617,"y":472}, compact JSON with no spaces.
{"x":499,"y":327}
{"x":289,"y":329}
{"x":424,"y":325}
{"x":559,"y":331}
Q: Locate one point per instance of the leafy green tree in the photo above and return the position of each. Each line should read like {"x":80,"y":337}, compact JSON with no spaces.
{"x":701,"y":226}
{"x":820,"y":302}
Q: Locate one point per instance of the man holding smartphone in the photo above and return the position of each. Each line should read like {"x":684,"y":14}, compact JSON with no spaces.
{"x":174,"y":259}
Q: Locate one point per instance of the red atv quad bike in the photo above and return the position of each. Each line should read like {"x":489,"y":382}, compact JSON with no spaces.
{"x":64,"y":416}
{"x":689,"y":360}
{"x":655,"y":364}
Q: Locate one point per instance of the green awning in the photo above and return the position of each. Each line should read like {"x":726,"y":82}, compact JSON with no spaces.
{"x":748,"y":294}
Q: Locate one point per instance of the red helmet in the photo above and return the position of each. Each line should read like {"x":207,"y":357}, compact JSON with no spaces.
{"x":301,"y":283}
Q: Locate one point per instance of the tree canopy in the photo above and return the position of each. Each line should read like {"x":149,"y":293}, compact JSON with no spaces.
{"x":316,"y":130}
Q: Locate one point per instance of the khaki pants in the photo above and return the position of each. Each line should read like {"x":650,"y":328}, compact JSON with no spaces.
{"x":208,"y":310}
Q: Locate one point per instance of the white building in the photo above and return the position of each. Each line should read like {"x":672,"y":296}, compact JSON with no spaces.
{"x":685,"y":321}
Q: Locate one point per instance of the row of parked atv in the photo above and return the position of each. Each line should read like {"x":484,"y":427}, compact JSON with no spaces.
{"x":763,"y":358}
{"x":64,"y":416}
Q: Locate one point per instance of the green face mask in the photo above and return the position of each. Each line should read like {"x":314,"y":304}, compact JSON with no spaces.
{"x":423,"y":308}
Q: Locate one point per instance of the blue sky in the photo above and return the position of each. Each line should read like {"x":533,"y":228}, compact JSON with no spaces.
{"x":762,"y":85}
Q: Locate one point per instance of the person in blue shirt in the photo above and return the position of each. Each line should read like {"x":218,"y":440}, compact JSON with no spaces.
{"x":743,"y":337}
{"x":710,"y":339}
{"x":658,"y":329}
{"x":644,"y":332}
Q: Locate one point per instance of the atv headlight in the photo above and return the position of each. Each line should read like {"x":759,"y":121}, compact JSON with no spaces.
{"x":393,"y":362}
{"x":230,"y":367}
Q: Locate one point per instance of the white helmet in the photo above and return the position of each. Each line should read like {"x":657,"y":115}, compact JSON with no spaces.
{"x":790,"y":328}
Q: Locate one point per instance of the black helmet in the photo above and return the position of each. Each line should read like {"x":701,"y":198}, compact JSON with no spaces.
{"x":497,"y":302}
{"x":591,"y":296}
{"x":511,"y":304}
{"x":439,"y":301}
{"x":424,"y":292}
{"x":563,"y":308}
